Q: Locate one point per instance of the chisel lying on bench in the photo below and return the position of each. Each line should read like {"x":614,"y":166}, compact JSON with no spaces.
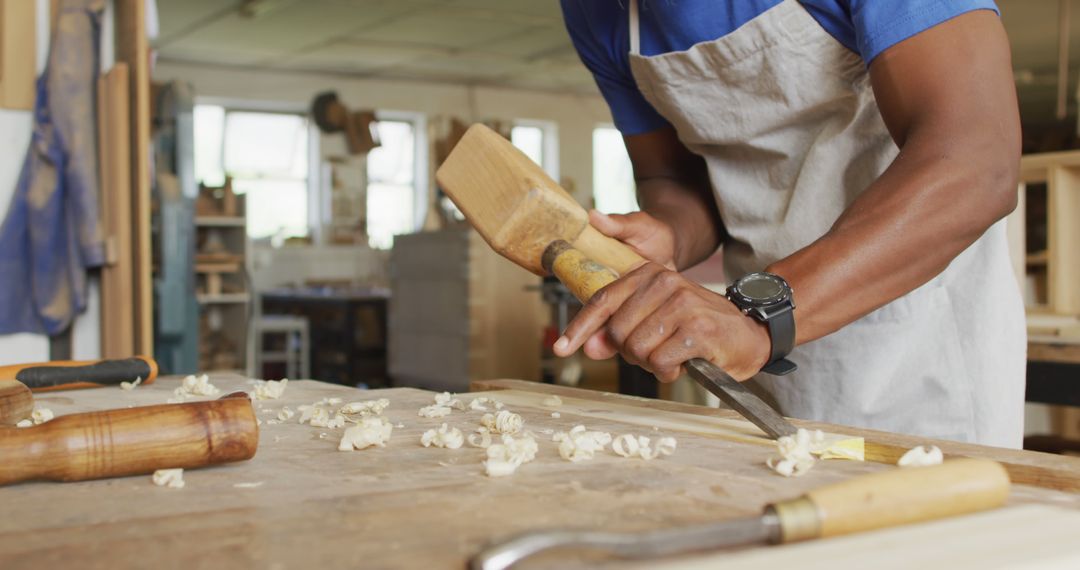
{"x":72,"y":374}
{"x":890,"y":498}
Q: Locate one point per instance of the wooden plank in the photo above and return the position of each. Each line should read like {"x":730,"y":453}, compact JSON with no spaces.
{"x":18,"y":53}
{"x":1064,"y":240}
{"x":133,"y":49}
{"x":117,"y":276}
{"x":402,"y":506}
{"x":1025,"y":467}
{"x":1055,"y":352}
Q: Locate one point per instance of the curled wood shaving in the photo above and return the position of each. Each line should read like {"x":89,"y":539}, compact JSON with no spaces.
{"x":269,"y":389}
{"x":504,"y":422}
{"x":433,"y":411}
{"x":921,"y":456}
{"x":552,"y":401}
{"x":37,"y":417}
{"x":368,"y":408}
{"x":447,"y":399}
{"x":628,"y":445}
{"x":796,"y":453}
{"x":128,"y":386}
{"x":450,"y":438}
{"x":370,"y":431}
{"x":480,"y":404}
{"x":285,"y":414}
{"x":580,"y":444}
{"x":193,"y":385}
{"x":172,"y":478}
{"x":482,"y":438}
{"x":504,"y":458}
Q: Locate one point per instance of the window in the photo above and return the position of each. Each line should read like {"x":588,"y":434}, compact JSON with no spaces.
{"x":395,"y":201}
{"x":539,"y":141}
{"x":266,"y":154}
{"x":613,"y":175}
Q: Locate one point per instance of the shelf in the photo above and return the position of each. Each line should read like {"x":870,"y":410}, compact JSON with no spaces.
{"x":224,"y":298}
{"x":1037,"y":258}
{"x":221,"y":221}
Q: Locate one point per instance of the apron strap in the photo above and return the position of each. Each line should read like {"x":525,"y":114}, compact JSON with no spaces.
{"x":635,"y":38}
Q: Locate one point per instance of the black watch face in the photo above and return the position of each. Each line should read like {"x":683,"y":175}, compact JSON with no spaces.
{"x":762,"y":288}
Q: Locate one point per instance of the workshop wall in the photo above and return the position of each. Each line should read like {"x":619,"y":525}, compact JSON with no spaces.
{"x":15,"y":128}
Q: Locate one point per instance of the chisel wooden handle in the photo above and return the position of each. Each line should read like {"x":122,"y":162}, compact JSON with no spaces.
{"x":73,"y":374}
{"x":131,"y":441}
{"x":16,"y":402}
{"x":895,"y":497}
{"x":581,"y":275}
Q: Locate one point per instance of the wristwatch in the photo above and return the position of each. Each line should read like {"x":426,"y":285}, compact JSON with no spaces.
{"x":767,"y":298}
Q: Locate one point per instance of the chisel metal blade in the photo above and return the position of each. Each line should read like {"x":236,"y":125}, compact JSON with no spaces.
{"x":735,"y":394}
{"x":632,"y":546}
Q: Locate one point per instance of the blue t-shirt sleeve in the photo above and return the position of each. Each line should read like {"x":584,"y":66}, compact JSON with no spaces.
{"x":879,"y":25}
{"x":598,"y":38}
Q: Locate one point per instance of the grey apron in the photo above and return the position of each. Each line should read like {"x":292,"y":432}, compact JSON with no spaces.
{"x":787,"y":122}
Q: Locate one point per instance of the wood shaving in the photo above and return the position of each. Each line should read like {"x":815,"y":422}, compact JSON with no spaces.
{"x":447,"y":399}
{"x":24,"y":423}
{"x":504,"y":422}
{"x":370,"y":431}
{"x":129,"y":386}
{"x":172,"y":478}
{"x":796,"y":453}
{"x":367,"y":408}
{"x":922,"y":456}
{"x":556,"y":415}
{"x":433,"y":411}
{"x":269,"y":389}
{"x":504,"y":458}
{"x":552,"y":401}
{"x":193,"y":385}
{"x":482,"y":438}
{"x":37,"y":417}
{"x":481,"y":403}
{"x":627,"y":445}
{"x":580,"y":444}
{"x":285,"y":414}
{"x":450,"y":438}
{"x":251,"y":485}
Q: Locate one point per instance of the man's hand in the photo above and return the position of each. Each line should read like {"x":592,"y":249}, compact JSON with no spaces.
{"x":657,"y":319}
{"x":652,"y":239}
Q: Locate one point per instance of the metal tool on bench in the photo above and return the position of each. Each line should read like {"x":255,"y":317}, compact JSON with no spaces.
{"x":881,"y":500}
{"x":74,"y":374}
{"x":523,"y":214}
{"x":131,"y":441}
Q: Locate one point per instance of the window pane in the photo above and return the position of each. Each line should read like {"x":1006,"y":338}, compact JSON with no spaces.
{"x":392,"y":161}
{"x":209,"y":130}
{"x":613,"y":175}
{"x":391,"y":189}
{"x":265,"y":145}
{"x":274,"y":207}
{"x":390,"y":212}
{"x":530,"y":140}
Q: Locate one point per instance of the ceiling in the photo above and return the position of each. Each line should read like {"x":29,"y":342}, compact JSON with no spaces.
{"x":515,"y":43}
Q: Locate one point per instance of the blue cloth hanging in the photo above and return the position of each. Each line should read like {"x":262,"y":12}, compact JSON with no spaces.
{"x":51,"y":234}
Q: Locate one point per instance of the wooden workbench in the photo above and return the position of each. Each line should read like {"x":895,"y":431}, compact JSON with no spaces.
{"x":305,"y":504}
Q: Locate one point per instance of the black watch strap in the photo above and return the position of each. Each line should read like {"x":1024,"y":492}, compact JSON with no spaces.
{"x":782,"y":334}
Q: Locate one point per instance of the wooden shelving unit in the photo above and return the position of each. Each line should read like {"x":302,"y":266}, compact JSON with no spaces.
{"x":221,"y":279}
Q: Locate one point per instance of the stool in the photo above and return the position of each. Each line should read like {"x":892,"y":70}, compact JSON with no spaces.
{"x":297,"y":350}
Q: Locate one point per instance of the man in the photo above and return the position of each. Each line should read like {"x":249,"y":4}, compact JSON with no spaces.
{"x":855,"y":158}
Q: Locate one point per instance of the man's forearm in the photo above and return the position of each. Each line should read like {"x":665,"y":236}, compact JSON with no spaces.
{"x":903,"y":231}
{"x":691,"y":214}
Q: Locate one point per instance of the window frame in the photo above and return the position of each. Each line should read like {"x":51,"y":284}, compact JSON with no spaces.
{"x":420,"y":160}
{"x":318,"y":208}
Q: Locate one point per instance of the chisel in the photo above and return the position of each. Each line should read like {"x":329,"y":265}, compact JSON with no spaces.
{"x":527,"y":218}
{"x":881,"y":500}
{"x":73,"y":374}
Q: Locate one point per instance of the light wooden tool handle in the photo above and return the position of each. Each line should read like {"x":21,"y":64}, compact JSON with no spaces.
{"x":895,"y":497}
{"x":73,"y":374}
{"x":581,"y":275}
{"x":606,"y":251}
{"x":131,"y":441}
{"x":16,"y":402}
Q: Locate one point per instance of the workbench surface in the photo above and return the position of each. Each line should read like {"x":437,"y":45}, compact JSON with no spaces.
{"x":302,"y":503}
